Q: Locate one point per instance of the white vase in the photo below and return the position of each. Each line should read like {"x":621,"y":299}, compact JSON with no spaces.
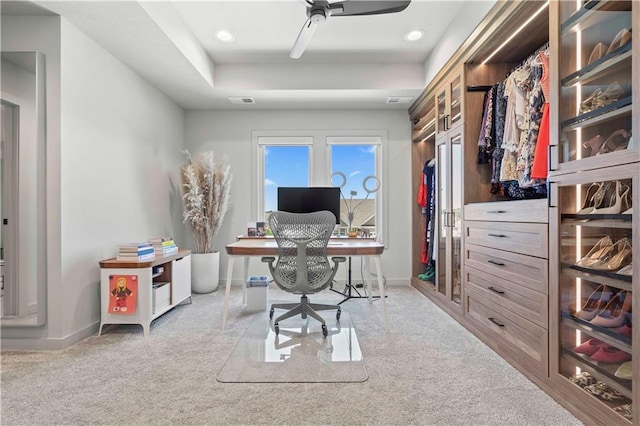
{"x":205,"y":271}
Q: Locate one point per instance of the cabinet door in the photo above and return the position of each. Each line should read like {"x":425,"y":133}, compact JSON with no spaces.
{"x":181,"y":279}
{"x":455,"y":99}
{"x":596,"y":88}
{"x":449,"y":205}
{"x":442,"y":111}
{"x":594,"y":278}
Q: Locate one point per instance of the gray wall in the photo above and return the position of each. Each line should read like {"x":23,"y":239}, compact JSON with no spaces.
{"x":113,"y":150}
{"x":229,"y":134}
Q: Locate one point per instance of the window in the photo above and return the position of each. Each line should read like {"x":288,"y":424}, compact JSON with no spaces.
{"x":285,"y":158}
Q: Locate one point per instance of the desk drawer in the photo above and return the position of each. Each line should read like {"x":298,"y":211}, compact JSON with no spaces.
{"x":514,"y":337}
{"x":525,"y":238}
{"x":509,"y":211}
{"x":520,"y":300}
{"x":528,"y":271}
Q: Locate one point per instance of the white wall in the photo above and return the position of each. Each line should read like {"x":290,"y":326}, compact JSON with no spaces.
{"x":228,"y":133}
{"x":112,"y":166}
{"x":459,"y":29}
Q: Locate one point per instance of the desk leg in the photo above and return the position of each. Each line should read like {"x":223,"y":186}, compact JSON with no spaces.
{"x":246,"y":277}
{"x":376,"y":259}
{"x":367,"y":280}
{"x":227,"y":289}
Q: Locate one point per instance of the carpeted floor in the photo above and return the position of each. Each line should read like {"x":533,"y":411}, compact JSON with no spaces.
{"x":428,"y":370}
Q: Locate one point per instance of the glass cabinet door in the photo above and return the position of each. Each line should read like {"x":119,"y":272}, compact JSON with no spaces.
{"x":443,"y":170}
{"x":596,"y":231}
{"x":596,"y":85}
{"x":456,"y":218}
{"x":455,"y":108}
{"x":441,"y":110}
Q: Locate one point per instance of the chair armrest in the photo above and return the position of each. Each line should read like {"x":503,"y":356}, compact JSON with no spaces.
{"x":338,"y":259}
{"x":268,"y":259}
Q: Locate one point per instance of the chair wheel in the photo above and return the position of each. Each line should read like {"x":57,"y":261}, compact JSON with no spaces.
{"x":276,"y":328}
{"x":338,"y":314}
{"x":325,"y":332}
{"x":271,"y":313}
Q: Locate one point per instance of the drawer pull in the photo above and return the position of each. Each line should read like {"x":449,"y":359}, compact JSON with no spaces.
{"x":497,"y":235}
{"x":495,"y":290}
{"x":493,"y":262}
{"x":496,"y":322}
{"x":496,"y":211}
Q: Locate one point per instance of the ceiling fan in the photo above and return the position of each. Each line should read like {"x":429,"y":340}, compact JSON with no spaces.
{"x":319,"y":10}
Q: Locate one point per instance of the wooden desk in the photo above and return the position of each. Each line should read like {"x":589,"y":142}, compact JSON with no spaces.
{"x":258,"y":247}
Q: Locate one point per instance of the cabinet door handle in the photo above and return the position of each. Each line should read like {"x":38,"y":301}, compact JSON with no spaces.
{"x":496,"y":211}
{"x":496,"y":322}
{"x":495,"y":290}
{"x":497,"y":235}
{"x":493,"y":262}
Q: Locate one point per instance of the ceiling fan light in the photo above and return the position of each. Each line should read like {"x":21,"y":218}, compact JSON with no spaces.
{"x":226,"y":36}
{"x":414,"y":35}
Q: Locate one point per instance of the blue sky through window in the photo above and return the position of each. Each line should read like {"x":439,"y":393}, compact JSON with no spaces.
{"x":289,"y":166}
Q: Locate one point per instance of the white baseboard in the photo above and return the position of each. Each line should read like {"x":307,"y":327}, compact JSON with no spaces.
{"x":48,"y":344}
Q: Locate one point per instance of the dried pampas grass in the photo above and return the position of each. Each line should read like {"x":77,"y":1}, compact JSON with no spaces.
{"x":206,"y":185}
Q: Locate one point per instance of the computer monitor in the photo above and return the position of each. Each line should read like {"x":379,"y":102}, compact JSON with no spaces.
{"x":309,"y":199}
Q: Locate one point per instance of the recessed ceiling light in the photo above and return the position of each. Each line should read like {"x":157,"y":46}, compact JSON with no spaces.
{"x":225,"y":36}
{"x":414,"y":35}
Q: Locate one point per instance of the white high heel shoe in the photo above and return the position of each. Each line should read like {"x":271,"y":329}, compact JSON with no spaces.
{"x":612,"y":202}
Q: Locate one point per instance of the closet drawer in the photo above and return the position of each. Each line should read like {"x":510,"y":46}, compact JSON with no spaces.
{"x":528,"y":271}
{"x":514,"y":337}
{"x":509,"y":211}
{"x":525,"y":238}
{"x":520,"y":300}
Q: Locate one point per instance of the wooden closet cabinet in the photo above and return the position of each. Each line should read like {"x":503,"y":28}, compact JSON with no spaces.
{"x":595,"y":190}
{"x":449,"y":102}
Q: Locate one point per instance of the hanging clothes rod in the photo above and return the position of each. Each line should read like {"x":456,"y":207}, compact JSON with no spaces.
{"x":479,"y":88}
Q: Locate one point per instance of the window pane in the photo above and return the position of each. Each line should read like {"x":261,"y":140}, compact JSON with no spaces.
{"x":284,"y":166}
{"x":356,"y":162}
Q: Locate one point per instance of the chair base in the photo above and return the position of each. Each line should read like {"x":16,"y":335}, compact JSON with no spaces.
{"x":303,"y":309}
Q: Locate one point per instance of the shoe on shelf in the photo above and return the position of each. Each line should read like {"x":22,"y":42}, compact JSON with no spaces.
{"x":596,"y":302}
{"x":617,"y":141}
{"x":597,"y":252}
{"x":590,"y":347}
{"x":610,"y":355}
{"x":593,"y":145}
{"x":625,"y":330}
{"x":616,"y":194}
{"x":590,"y":197}
{"x":624,"y":371}
{"x":616,"y":258}
{"x":583,"y":379}
{"x":600,"y":98}
{"x":615,"y":313}
{"x":604,"y":391}
{"x":623,"y":37}
{"x":625,"y":410}
{"x":598,"y":52}
{"x":627,"y":270}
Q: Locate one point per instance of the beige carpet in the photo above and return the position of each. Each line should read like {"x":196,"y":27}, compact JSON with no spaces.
{"x":428,"y":370}
{"x":298,"y":354}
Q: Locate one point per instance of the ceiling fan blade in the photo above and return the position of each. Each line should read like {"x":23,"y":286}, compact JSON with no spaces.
{"x":367,"y":7}
{"x":303,"y":39}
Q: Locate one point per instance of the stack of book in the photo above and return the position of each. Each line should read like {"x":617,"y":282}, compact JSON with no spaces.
{"x":136,"y":252}
{"x":163,"y":246}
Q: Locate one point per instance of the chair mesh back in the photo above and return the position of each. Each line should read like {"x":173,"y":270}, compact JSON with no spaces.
{"x":302,"y":271}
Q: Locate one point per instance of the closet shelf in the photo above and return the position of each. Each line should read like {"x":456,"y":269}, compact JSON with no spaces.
{"x":619,"y":221}
{"x":611,"y":279}
{"x":620,"y":342}
{"x":585,"y":17}
{"x":612,"y":63}
{"x":607,"y":112}
{"x":600,"y":372}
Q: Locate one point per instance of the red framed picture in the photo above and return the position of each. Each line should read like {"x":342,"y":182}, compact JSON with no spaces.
{"x":123,"y":294}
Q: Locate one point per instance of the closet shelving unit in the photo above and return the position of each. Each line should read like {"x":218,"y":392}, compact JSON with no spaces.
{"x":582,"y":281}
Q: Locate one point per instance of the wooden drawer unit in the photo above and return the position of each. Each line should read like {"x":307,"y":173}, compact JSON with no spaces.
{"x":515,"y":338}
{"x":525,"y":238}
{"x":528,"y":271}
{"x":527,"y":303}
{"x":509,"y":211}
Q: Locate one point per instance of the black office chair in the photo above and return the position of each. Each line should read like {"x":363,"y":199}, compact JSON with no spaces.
{"x":302,"y":266}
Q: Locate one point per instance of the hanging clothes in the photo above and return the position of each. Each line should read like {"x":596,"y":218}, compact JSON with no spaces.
{"x":429,"y":172}
{"x":540,"y":160}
